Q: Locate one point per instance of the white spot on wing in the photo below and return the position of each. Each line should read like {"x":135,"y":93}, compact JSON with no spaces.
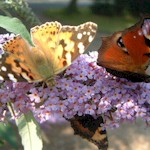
{"x":84,"y":33}
{"x":81,"y":47}
{"x":79,"y":36}
{"x":11,"y":77}
{"x":88,"y":33}
{"x":24,"y":75}
{"x":3,"y":68}
{"x":91,"y":38}
{"x":1,"y":78}
{"x":68,"y":58}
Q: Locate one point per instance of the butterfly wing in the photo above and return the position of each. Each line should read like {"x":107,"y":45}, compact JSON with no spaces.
{"x":16,"y":62}
{"x":62,"y":44}
{"x":89,"y":128}
{"x":127,"y":53}
{"x":73,"y":41}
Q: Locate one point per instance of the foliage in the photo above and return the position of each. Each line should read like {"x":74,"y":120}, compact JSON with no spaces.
{"x":102,"y":8}
{"x":29,"y":131}
{"x":72,"y":7}
{"x":21,"y":10}
{"x":18,"y":27}
{"x":6,"y":129}
{"x":117,"y":22}
{"x":139,"y":7}
{"x":121,"y":7}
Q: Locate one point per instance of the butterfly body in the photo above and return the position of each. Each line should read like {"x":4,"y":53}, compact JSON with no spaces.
{"x":126,"y":53}
{"x":55,"y":47}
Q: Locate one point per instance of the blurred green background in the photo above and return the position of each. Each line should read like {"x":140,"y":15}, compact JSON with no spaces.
{"x":111,"y":16}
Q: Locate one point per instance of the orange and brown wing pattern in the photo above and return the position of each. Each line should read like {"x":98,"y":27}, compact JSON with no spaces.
{"x":15,"y":61}
{"x":89,"y":128}
{"x":127,"y":53}
{"x":55,"y":47}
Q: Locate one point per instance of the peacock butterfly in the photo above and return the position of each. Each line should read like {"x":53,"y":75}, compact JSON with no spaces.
{"x":126,"y":53}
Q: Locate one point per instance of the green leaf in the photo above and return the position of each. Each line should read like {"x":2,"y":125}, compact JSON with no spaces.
{"x":5,"y":131}
{"x":16,"y":26}
{"x":29,"y":131}
{"x":1,"y":142}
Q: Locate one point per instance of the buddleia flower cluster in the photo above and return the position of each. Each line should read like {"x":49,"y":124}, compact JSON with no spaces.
{"x":83,"y":88}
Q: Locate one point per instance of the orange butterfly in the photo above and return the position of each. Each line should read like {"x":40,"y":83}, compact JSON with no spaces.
{"x":127,"y":53}
{"x":56,"y":46}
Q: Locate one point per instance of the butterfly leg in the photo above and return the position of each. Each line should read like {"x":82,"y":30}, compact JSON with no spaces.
{"x":50,"y":82}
